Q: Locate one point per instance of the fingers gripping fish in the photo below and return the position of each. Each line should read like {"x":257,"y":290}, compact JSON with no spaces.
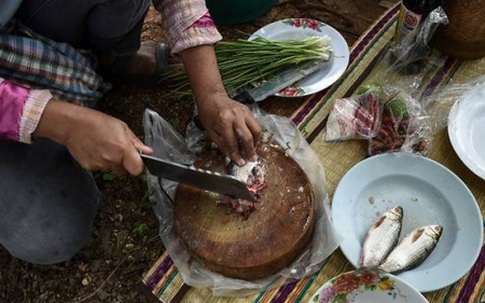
{"x":413,"y":249}
{"x":381,"y":238}
{"x":253,"y":173}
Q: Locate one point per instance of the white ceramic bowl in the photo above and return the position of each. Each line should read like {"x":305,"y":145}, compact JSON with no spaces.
{"x":466,"y":129}
{"x":429,"y":193}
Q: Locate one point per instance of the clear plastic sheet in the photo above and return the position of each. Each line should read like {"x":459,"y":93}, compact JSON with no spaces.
{"x":439,"y":104}
{"x":168,"y":144}
{"x":405,"y":65}
{"x":409,"y":55}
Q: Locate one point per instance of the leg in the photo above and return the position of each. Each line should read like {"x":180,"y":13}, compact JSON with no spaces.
{"x":105,"y":26}
{"x":48,"y":202}
{"x":110,"y":28}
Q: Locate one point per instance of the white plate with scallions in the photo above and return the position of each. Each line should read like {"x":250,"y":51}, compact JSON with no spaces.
{"x":301,"y":28}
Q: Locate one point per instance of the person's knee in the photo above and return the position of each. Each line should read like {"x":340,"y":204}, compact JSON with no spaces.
{"x":48,"y":202}
{"x":48,"y":247}
{"x":50,"y":237}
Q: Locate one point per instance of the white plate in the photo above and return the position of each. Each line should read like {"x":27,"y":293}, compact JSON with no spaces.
{"x":299,"y":28}
{"x":466,"y":129}
{"x":367,"y":286}
{"x":430,"y":194}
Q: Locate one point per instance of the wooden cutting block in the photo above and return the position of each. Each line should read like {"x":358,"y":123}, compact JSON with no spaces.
{"x":268,"y":240}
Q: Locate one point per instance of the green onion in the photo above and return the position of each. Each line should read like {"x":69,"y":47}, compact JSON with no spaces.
{"x":242,"y":62}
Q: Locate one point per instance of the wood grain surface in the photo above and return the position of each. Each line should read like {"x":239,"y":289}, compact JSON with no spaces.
{"x":252,"y":247}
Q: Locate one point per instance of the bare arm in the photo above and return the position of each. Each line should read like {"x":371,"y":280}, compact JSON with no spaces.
{"x":191,"y":33}
{"x":228,"y":123}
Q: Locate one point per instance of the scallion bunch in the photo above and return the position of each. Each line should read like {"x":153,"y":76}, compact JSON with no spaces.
{"x":244,"y":62}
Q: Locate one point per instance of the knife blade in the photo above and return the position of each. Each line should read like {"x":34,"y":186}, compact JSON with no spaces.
{"x":285,"y":78}
{"x":200,"y":178}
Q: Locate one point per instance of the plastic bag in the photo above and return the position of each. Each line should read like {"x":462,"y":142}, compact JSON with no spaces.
{"x":406,"y":64}
{"x":389,"y":119}
{"x":167,"y":143}
{"x":404,"y":126}
{"x":387,"y":112}
{"x":410,"y":55}
{"x":354,"y":118}
{"x":439,"y":104}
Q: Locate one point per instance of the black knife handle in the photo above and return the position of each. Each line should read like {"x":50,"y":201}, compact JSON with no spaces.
{"x":198,"y":123}
{"x":243,"y":97}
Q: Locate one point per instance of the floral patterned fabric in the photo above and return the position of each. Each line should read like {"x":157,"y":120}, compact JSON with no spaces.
{"x":188,"y":23}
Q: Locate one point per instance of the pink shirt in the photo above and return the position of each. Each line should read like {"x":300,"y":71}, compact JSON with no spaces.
{"x":20,"y":110}
{"x":189,"y":24}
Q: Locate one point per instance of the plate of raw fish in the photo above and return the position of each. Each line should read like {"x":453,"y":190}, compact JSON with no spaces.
{"x":409,"y":216}
{"x":367,"y":286}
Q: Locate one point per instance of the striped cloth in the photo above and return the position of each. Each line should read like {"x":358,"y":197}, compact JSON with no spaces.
{"x":38,"y":62}
{"x":166,"y":285}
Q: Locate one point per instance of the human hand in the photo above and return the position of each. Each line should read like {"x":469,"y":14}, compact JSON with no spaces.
{"x":97,"y":141}
{"x":102,"y":142}
{"x":232,"y":126}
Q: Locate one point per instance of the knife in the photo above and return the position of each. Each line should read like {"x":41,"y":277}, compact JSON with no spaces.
{"x":287,"y":77}
{"x":273,"y":85}
{"x":200,"y":178}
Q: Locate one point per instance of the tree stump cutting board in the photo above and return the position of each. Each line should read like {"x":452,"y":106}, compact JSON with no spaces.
{"x":268,"y":240}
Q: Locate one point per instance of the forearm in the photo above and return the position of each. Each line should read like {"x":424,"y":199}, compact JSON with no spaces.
{"x":201,"y":66}
{"x":228,"y":123}
{"x":192,"y":34}
{"x":57,"y":118}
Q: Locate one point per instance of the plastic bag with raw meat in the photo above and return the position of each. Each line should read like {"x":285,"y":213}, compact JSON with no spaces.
{"x":404,"y":127}
{"x":354,"y":118}
{"x":388,"y":118}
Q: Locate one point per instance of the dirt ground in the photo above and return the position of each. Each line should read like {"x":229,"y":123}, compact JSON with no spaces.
{"x":124,"y":240}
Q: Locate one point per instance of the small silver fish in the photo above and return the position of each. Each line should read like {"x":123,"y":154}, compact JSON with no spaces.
{"x":381,"y":238}
{"x":253,"y":173}
{"x":413,"y":249}
{"x":243,"y":172}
